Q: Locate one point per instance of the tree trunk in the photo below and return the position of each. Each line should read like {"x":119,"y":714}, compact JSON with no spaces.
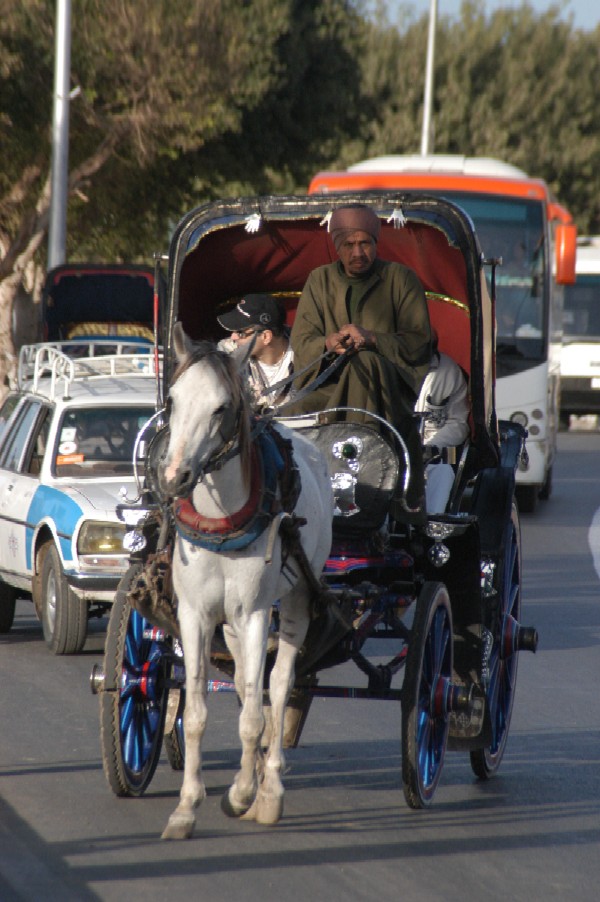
{"x":19,"y":252}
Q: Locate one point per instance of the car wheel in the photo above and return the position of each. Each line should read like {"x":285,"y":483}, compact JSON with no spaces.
{"x":64,"y":615}
{"x":8,"y":601}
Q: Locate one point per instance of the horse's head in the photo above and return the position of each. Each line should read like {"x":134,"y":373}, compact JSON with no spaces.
{"x":208,"y":414}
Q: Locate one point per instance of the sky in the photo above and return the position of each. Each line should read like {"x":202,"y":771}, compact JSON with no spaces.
{"x":586,"y":13}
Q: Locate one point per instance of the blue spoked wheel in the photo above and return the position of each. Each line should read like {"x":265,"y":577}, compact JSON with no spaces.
{"x":427,"y":686}
{"x":500,"y":690}
{"x":133,"y":703}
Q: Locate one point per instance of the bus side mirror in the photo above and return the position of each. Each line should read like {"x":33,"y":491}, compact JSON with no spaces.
{"x":565,"y":242}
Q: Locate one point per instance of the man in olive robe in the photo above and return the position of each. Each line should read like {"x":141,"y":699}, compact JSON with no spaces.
{"x":378,"y":310}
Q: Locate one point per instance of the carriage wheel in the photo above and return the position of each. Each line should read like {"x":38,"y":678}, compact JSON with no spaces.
{"x":500,"y":691}
{"x":132,"y":715}
{"x":427,"y":683}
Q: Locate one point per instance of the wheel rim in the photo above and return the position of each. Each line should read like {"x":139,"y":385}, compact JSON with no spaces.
{"x":141,"y":693}
{"x":432,"y":723}
{"x":51,"y":601}
{"x":503,"y":667}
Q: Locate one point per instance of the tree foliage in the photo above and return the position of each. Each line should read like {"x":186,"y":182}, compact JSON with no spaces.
{"x":514,"y":85}
{"x":169,"y":93}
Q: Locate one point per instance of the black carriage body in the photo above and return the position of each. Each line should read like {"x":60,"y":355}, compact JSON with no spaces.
{"x":461,"y":568}
{"x":222,"y":250}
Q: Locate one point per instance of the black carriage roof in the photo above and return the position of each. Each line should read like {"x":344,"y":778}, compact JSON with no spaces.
{"x":77,"y":293}
{"x":225,"y":249}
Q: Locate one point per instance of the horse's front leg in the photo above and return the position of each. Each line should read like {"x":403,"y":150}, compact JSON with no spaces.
{"x":182,"y":821}
{"x":294,"y":620}
{"x":252,"y":638}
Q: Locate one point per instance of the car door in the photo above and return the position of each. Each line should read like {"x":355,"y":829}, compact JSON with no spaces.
{"x":19,"y":478}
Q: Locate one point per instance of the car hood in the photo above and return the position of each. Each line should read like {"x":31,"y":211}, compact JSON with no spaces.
{"x":102,"y":497}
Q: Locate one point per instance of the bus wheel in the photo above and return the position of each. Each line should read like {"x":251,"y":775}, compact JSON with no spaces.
{"x":546,"y":489}
{"x":527,"y":498}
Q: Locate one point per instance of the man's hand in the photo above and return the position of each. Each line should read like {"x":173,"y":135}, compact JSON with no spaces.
{"x":350,"y":337}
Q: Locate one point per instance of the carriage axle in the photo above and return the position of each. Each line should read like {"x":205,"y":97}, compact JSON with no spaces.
{"x":516,"y":637}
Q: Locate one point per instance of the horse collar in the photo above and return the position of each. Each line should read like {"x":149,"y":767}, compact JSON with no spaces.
{"x":238,"y":530}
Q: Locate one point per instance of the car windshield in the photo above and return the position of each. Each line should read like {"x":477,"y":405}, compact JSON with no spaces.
{"x":100,"y":441}
{"x":513,"y":230}
{"x":581,"y":318}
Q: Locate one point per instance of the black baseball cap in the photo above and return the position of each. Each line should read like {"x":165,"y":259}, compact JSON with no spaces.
{"x":259,"y":310}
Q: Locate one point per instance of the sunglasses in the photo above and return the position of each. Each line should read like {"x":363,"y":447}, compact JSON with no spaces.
{"x":245,"y":333}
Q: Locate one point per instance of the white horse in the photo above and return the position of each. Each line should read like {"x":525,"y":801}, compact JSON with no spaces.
{"x":210,"y":459}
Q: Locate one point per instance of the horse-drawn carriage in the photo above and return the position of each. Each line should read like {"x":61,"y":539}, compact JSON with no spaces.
{"x":444,"y":590}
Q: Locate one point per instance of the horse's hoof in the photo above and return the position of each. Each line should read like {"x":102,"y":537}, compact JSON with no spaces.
{"x":179,"y":827}
{"x":249,"y":815}
{"x":231,"y":809}
{"x":269,"y":809}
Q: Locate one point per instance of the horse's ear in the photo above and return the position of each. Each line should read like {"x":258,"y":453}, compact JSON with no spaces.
{"x":182,"y":343}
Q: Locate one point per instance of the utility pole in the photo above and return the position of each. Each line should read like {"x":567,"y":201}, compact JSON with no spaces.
{"x":427,"y":100}
{"x":57,"y":230}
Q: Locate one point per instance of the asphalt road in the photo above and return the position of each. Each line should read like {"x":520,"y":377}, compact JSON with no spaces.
{"x":533,"y":832}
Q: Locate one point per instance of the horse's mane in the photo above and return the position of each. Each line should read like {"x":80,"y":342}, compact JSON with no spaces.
{"x":226,"y":369}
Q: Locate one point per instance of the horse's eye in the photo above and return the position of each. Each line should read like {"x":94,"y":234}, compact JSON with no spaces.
{"x":216,"y":416}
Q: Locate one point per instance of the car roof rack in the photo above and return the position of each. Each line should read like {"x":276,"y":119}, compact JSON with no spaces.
{"x":79,"y":360}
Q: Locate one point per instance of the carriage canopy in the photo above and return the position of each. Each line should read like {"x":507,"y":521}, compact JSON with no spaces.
{"x":225,"y":249}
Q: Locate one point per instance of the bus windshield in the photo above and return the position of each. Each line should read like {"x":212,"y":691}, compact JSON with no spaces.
{"x":581,"y":316}
{"x":513,"y":229}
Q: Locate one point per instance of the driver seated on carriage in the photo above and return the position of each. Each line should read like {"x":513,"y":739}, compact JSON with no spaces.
{"x":375,"y":313}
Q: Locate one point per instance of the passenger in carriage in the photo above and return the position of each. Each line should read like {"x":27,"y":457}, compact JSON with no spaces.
{"x":260,"y":318}
{"x":377,"y":309}
{"x":444,"y":403}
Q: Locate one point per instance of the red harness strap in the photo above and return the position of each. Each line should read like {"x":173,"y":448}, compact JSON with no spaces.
{"x":187,"y":514}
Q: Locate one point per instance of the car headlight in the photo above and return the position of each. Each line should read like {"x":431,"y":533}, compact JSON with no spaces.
{"x":101,"y":544}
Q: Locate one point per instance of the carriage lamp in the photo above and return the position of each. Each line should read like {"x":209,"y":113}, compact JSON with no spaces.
{"x":349,"y":450}
{"x":101,"y":545}
{"x":488,"y":571}
{"x":439,"y":553}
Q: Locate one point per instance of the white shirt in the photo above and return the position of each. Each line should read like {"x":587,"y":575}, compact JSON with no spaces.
{"x":444,"y":401}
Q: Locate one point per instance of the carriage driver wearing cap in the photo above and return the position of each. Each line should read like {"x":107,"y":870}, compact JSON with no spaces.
{"x":261,"y":317}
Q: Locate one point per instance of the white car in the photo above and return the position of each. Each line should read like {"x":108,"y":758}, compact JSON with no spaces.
{"x":68,"y":436}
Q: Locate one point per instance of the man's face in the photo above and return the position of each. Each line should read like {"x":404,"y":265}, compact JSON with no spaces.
{"x":245,"y":336}
{"x":357,"y":253}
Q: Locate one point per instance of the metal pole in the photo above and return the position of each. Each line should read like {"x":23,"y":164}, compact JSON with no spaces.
{"x":57,"y":230}
{"x":426,"y":132}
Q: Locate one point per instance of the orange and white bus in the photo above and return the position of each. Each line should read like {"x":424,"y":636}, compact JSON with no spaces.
{"x":520,"y":224}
